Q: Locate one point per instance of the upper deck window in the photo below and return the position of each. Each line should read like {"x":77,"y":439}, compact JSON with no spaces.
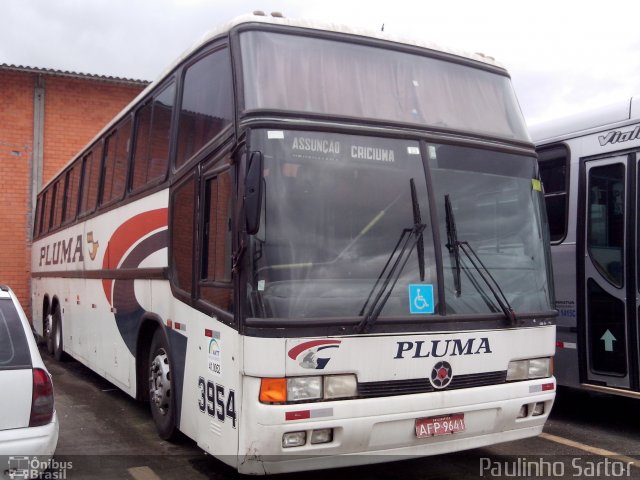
{"x":72,"y":186}
{"x":153,"y":130}
{"x":207,"y":103}
{"x":115,"y":162}
{"x":90,"y":181}
{"x":322,"y":76}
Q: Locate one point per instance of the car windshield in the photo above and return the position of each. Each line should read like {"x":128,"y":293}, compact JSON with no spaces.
{"x":14,"y":349}
{"x":335,"y":206}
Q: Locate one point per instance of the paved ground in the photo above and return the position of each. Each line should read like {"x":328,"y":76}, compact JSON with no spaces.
{"x":106,"y":435}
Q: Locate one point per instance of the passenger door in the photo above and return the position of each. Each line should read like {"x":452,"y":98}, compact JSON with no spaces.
{"x":608,"y":284}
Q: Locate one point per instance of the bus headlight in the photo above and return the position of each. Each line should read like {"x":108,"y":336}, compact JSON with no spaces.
{"x":340,"y":386}
{"x":300,"y":389}
{"x":304,"y":388}
{"x":539,"y":368}
{"x":529,"y":369}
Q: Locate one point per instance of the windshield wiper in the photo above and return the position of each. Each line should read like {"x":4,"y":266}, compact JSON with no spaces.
{"x":417,"y":220}
{"x":393,"y":273}
{"x":452,"y":244}
{"x":455,"y":246}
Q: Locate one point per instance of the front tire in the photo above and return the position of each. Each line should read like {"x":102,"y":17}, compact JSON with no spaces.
{"x":161,"y":387}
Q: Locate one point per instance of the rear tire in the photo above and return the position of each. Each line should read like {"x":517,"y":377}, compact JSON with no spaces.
{"x":161,"y":387}
{"x":48,"y":332}
{"x":56,"y":337}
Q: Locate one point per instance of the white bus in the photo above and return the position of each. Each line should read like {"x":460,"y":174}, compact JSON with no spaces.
{"x":589,"y":168}
{"x":306,"y":243}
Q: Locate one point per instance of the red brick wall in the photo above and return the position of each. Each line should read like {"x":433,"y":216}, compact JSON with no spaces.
{"x":76,"y":109}
{"x":16,"y":152}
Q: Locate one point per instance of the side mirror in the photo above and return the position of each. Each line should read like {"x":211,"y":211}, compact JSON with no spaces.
{"x":253,"y":193}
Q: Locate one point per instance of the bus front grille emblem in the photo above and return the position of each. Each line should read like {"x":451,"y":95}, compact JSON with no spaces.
{"x":441,"y":375}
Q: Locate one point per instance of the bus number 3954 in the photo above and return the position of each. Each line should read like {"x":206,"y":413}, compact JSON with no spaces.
{"x":212,"y":401}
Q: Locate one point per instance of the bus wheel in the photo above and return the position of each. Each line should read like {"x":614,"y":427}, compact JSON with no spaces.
{"x":161,"y":395}
{"x":48,"y":332}
{"x":56,"y":336}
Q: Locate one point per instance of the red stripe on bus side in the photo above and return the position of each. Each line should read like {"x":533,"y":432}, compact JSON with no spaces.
{"x":126,"y":235}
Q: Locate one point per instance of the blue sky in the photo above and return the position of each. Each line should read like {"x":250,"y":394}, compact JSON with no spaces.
{"x":564,"y":55}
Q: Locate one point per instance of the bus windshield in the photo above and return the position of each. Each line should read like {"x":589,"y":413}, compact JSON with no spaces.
{"x":335,"y":206}
{"x":331,"y":77}
{"x":496,"y":202}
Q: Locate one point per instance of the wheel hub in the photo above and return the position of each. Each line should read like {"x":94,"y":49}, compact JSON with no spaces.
{"x":160,"y":382}
{"x":48,"y":324}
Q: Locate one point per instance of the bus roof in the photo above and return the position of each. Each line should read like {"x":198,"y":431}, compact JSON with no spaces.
{"x":256,"y":17}
{"x":339,"y":28}
{"x":321,"y":26}
{"x":586,"y":122}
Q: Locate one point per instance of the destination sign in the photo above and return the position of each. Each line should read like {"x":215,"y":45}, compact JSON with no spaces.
{"x":345,"y":148}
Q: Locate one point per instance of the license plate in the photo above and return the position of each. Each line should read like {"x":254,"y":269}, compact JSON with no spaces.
{"x":443,"y":425}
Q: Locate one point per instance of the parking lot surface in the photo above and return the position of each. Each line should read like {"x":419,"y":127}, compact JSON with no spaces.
{"x":105,"y":434}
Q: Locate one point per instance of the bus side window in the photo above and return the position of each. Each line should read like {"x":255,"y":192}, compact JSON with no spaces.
{"x":183,"y":209}
{"x":56,"y":206}
{"x":115,"y":162}
{"x":36,"y":218}
{"x":90,"y":182}
{"x":554,"y":173}
{"x":71,"y":190}
{"x":207,"y":103}
{"x":42,"y":217}
{"x":153,"y":135}
{"x":215,"y":276}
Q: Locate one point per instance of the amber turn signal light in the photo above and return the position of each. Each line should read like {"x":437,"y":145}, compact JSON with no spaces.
{"x":273,"y":390}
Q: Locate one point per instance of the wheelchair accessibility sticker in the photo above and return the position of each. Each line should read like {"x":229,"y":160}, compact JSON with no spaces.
{"x":421,"y":298}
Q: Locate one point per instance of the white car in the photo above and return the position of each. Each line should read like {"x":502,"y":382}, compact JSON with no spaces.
{"x":28,"y":421}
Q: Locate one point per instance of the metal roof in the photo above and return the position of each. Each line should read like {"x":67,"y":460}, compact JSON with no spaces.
{"x":66,"y":73}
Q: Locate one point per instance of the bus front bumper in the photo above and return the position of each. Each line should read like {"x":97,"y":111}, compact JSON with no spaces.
{"x":375,"y":430}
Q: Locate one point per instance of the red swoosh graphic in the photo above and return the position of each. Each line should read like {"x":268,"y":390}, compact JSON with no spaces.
{"x":295,"y":351}
{"x":126,"y":235}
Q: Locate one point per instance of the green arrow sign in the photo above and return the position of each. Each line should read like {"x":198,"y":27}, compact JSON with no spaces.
{"x":608,"y":340}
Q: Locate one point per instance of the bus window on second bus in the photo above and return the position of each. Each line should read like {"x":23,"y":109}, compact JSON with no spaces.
{"x":554,"y":166}
{"x":605,"y":221}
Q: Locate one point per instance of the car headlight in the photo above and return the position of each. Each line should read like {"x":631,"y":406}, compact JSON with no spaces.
{"x":529,"y":369}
